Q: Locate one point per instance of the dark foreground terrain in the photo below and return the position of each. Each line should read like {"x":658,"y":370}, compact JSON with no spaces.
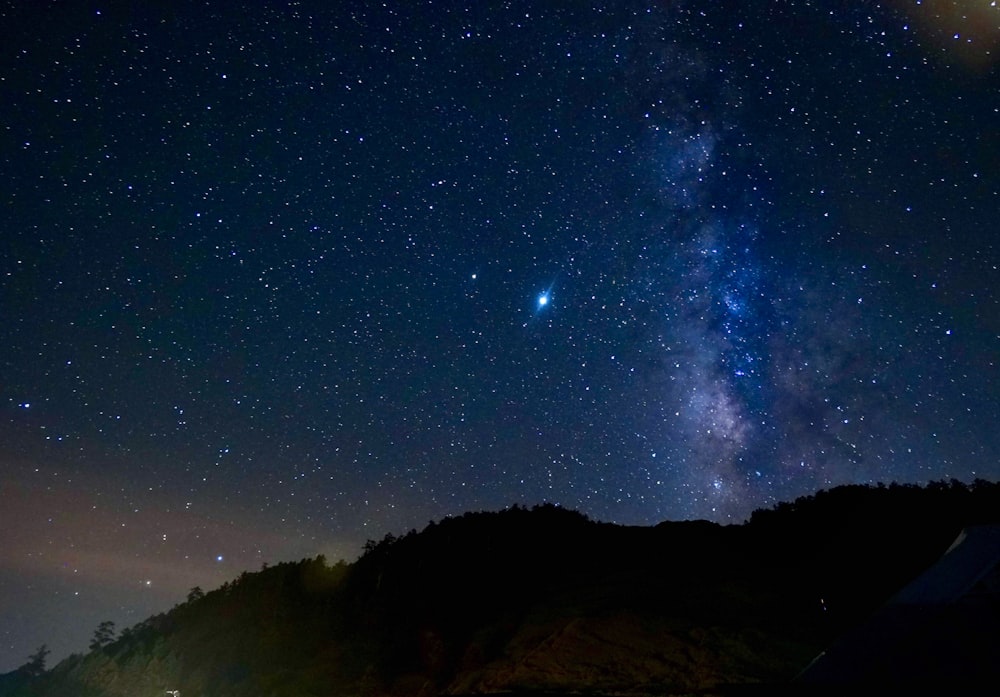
{"x":545,"y":601}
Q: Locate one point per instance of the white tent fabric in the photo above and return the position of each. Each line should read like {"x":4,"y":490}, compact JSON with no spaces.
{"x":942,"y":628}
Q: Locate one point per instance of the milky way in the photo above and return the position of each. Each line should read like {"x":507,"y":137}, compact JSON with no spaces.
{"x":274,"y":283}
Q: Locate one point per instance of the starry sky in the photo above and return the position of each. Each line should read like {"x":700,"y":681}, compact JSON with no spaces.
{"x":277,"y":278}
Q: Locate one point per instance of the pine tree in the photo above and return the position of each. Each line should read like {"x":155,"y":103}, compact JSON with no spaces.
{"x":36,"y":662}
{"x":103,"y":635}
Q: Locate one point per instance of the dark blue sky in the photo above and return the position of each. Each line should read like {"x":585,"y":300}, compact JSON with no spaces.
{"x":270,"y":279}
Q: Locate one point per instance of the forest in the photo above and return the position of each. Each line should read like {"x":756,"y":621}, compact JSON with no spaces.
{"x":540,"y":600}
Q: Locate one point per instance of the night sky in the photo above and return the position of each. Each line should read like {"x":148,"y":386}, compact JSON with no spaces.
{"x":277,"y":280}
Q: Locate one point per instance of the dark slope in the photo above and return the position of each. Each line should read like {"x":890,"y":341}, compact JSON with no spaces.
{"x":543,"y":600}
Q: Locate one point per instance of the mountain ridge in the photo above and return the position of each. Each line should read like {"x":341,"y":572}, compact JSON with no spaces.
{"x":542,"y":600}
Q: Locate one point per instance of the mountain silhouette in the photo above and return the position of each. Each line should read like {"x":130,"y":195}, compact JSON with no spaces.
{"x":546,"y":601}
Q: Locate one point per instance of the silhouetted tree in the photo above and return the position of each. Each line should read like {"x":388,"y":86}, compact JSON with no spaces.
{"x":195,"y":593}
{"x":103,"y":635}
{"x":373,"y":547}
{"x":36,"y":662}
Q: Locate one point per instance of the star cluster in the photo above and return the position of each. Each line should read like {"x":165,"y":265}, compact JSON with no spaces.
{"x":276,"y":282}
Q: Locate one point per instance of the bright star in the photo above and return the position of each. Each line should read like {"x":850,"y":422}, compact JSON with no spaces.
{"x":545,"y":296}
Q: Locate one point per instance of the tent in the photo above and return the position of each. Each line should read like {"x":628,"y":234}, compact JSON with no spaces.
{"x":942,"y":629}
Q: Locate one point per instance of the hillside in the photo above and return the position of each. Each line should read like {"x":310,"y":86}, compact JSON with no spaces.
{"x":542,"y":600}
